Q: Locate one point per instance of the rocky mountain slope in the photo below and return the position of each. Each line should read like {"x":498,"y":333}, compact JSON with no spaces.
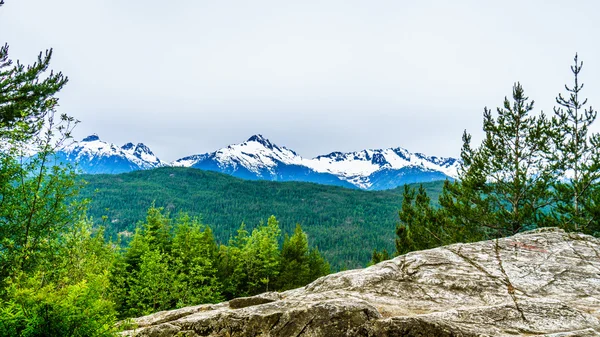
{"x":540,"y":283}
{"x":259,"y":158}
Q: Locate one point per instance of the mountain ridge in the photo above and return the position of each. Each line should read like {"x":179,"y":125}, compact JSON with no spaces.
{"x":258,"y":158}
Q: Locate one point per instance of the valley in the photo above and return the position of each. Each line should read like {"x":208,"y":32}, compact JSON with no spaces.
{"x":345,"y":224}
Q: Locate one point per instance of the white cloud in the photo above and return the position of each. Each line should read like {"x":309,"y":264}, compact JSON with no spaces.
{"x":318,"y":76}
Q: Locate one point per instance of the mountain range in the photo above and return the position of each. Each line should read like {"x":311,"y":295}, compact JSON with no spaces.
{"x":259,"y":159}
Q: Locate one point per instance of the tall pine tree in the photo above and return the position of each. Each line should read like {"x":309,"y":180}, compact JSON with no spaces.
{"x":505,"y":183}
{"x":577,"y":160}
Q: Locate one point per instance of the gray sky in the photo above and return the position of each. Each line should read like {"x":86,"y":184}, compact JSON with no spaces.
{"x":189,"y":76}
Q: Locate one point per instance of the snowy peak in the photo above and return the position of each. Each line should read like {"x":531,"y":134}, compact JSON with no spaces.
{"x":91,"y":138}
{"x":128,"y":146}
{"x":257,"y":155}
{"x":141,"y":148}
{"x":96,"y":156}
{"x":140,"y":151}
{"x":259,"y":158}
{"x":365,"y":168}
{"x":261,"y":140}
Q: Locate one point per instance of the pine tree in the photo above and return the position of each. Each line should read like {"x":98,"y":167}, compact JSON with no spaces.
{"x":421,"y":225}
{"x":505,"y":183}
{"x":231,"y":267}
{"x":377,"y":256}
{"x":317,"y":265}
{"x":26,"y":95}
{"x":34,"y":195}
{"x":262,"y":256}
{"x":151,"y":287}
{"x":294,"y":269}
{"x":577,"y":159}
{"x":157,"y":229}
{"x":193,"y":259}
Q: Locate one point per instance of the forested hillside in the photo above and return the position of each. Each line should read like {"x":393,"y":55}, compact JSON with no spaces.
{"x":344,"y":224}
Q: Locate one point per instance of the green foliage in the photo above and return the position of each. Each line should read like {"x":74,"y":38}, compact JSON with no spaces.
{"x":33,"y":201}
{"x":150,"y":286}
{"x":147,"y":278}
{"x":578,"y":158}
{"x":33,"y":193}
{"x":294,"y":270}
{"x":504,"y":183}
{"x":168,"y":264}
{"x":263,"y":257}
{"x":345,"y":224}
{"x":379,"y":256}
{"x":194,"y":254}
{"x":317,"y":265}
{"x":26,"y":95}
{"x":231,"y":265}
{"x":67,"y":296}
{"x":252,"y":264}
{"x":299,"y":264}
{"x":53,"y":279}
{"x":423,"y":226}
{"x":157,"y":230}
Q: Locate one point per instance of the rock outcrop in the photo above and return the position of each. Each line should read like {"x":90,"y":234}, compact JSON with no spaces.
{"x":544,"y":282}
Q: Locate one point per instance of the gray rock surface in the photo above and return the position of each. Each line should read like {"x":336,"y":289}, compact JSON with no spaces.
{"x":539,"y":283}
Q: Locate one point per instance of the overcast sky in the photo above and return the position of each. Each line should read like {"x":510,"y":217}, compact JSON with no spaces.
{"x":191,"y":76}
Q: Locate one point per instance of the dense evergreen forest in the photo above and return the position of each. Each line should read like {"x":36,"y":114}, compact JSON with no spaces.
{"x":345,"y":224}
{"x":175,"y":262}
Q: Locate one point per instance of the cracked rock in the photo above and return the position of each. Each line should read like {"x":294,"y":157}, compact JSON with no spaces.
{"x":537,"y":283}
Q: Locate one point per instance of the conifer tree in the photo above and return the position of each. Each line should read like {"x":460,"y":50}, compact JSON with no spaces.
{"x":577,"y":160}
{"x":193,"y":264}
{"x":294,"y":268}
{"x":377,"y":256}
{"x":163,"y":269}
{"x":157,"y":229}
{"x":231,"y":267}
{"x":317,"y":265}
{"x":53,"y":278}
{"x":421,"y":225}
{"x":505,"y":183}
{"x":151,"y":287}
{"x":34,"y":194}
{"x":262,"y":256}
{"x":26,"y":95}
{"x":299,"y":265}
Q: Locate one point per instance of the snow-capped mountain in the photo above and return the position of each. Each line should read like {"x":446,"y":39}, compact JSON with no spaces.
{"x":258,"y":158}
{"x":385,"y":168}
{"x":92,"y":155}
